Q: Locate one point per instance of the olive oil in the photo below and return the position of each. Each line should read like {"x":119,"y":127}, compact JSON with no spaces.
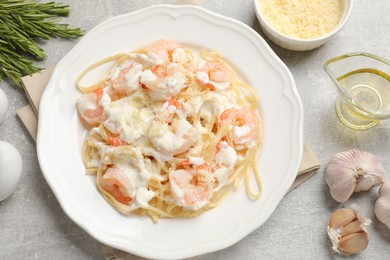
{"x":363,"y":84}
{"x":369,"y":88}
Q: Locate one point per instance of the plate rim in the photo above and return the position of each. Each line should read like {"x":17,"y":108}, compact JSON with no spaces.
{"x":293,"y":167}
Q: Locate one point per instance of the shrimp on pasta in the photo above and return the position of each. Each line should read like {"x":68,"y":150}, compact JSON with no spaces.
{"x":172,"y":131}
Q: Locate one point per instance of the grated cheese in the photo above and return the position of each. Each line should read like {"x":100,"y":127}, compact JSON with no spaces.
{"x":304,"y":19}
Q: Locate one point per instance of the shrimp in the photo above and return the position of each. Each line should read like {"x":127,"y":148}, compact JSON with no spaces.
{"x":173,"y":137}
{"x":224,"y":163}
{"x":119,"y":185}
{"x":215,"y":75}
{"x":197,"y":162}
{"x":163,"y":49}
{"x":191,"y":188}
{"x":126,"y":78}
{"x":127,"y":119}
{"x":90,"y":106}
{"x":164,"y":81}
{"x":169,"y":134}
{"x":246,"y":126}
{"x":168,"y":110}
{"x":220,"y":167}
{"x":115,"y":141}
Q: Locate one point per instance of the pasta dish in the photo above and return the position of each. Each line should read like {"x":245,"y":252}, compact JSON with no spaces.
{"x":171,"y":131}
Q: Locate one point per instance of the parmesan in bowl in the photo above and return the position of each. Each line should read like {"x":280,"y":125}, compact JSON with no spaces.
{"x":301,"y":25}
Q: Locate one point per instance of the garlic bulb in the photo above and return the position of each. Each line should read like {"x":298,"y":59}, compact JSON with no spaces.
{"x":382,"y":205}
{"x":352,"y":171}
{"x":347,"y":231}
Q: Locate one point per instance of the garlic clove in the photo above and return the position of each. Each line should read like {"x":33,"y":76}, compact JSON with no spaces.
{"x":352,"y":171}
{"x":382,"y":205}
{"x":346,"y":229}
{"x":350,"y":228}
{"x":341,"y":217}
{"x":367,"y":182}
{"x":353,"y":243}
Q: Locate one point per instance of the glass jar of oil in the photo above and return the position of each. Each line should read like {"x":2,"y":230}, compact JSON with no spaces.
{"x":363,"y":84}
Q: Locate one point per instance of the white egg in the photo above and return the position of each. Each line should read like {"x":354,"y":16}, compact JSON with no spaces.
{"x":3,"y":105}
{"x":10,"y":169}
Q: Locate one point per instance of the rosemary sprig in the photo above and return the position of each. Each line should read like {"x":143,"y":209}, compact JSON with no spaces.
{"x":21,"y":23}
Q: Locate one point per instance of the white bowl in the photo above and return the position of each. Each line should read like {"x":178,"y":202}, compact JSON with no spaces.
{"x":297,"y":44}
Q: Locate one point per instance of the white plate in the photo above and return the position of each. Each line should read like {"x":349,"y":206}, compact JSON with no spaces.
{"x":60,"y":133}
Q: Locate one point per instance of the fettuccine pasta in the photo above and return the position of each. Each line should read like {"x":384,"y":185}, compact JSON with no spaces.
{"x":170,"y":131}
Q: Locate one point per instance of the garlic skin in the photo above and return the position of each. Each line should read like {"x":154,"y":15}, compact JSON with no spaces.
{"x":382,"y":205}
{"x":352,"y":171}
{"x":346,"y":229}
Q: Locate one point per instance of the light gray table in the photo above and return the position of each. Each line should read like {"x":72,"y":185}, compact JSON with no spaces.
{"x":33,"y":225}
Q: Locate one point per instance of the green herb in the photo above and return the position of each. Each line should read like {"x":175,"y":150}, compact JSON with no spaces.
{"x":21,"y":23}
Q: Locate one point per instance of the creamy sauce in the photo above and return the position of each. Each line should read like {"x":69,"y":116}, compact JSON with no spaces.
{"x":147,"y":124}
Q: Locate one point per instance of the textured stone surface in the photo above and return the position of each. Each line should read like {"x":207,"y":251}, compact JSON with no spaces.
{"x":33,"y":225}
